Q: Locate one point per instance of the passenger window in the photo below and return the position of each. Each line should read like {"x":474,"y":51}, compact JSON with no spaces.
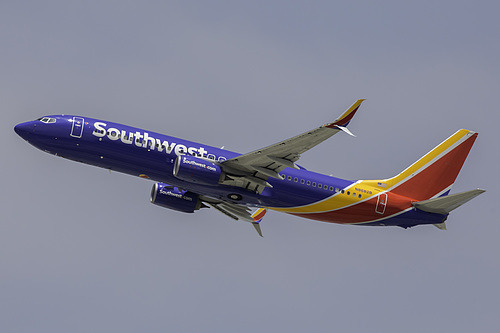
{"x":302,"y":181}
{"x":325,"y":187}
{"x":359,"y":196}
{"x":348,"y":193}
{"x":308,"y":183}
{"x":331,"y":188}
{"x":289,"y":178}
{"x":314,"y":184}
{"x":295,"y":179}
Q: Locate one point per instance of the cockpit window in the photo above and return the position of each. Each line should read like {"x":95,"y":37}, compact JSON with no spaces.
{"x":47,"y":120}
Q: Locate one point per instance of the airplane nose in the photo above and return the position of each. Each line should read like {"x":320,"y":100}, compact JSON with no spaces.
{"x":24,"y":129}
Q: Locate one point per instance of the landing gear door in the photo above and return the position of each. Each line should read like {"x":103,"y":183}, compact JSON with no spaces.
{"x":77,"y":127}
{"x":381,"y":203}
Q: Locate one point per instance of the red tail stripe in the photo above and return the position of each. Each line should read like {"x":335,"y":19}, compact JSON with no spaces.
{"x":438,"y":176}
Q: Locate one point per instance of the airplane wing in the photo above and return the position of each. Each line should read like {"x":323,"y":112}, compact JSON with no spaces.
{"x":252,"y":170}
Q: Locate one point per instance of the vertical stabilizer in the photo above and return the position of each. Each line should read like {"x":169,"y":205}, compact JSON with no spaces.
{"x":435,"y":172}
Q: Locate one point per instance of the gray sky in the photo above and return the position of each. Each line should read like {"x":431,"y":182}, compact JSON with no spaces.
{"x":83,"y":250}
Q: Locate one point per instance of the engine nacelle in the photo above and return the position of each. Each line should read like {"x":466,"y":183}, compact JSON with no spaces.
{"x":171,"y":197}
{"x":196,"y":170}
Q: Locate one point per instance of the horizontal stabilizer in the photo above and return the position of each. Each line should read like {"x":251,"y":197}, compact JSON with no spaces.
{"x":445,"y":204}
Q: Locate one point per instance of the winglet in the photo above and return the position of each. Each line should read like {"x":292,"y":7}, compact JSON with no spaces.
{"x":346,"y":117}
{"x":346,"y":130}
{"x":257,"y":217}
{"x":257,"y":228}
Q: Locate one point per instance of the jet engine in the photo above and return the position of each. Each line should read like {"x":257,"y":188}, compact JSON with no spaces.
{"x":168,"y":196}
{"x":196,"y":170}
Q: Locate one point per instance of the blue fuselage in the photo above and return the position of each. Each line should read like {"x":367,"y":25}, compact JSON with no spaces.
{"x":152,"y":155}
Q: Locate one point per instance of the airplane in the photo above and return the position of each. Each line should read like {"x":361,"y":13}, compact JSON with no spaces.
{"x":189,"y":176}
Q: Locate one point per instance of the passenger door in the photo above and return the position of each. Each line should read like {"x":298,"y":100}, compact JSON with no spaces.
{"x":77,"y":127}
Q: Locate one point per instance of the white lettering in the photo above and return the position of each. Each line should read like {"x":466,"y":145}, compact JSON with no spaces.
{"x":202,"y":152}
{"x":144,"y":140}
{"x":113,"y":134}
{"x":180,"y":150}
{"x":201,"y":165}
{"x":164,"y":144}
{"x":149,"y":139}
{"x":138,"y":138}
{"x":171,"y":147}
{"x":177,"y":195}
{"x":124,"y":139}
{"x":192,"y":151}
{"x":99,"y":131}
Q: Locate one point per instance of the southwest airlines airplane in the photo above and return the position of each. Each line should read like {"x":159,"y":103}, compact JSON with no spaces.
{"x":190,"y":176}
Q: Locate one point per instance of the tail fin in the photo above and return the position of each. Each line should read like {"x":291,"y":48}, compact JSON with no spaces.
{"x":257,"y":216}
{"x":435,"y":172}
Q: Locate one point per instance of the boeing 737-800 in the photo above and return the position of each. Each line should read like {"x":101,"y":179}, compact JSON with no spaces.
{"x":190,"y":176}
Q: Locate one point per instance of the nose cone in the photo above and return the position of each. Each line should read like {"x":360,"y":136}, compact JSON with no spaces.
{"x":24,"y":130}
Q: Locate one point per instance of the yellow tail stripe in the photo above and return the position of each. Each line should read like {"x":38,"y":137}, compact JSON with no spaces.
{"x":421,"y":163}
